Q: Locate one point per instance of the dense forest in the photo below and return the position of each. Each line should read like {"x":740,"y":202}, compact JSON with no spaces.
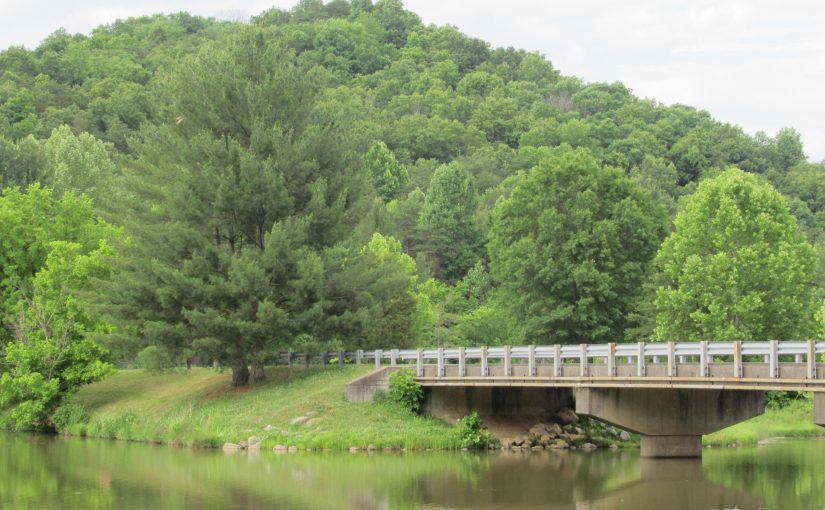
{"x":341,"y":175}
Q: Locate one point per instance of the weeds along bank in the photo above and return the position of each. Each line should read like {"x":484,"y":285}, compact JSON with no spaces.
{"x":306,"y":409}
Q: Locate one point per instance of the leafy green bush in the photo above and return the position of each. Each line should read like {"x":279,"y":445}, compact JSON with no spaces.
{"x":782,"y":399}
{"x":473,"y":433}
{"x":154,"y":359}
{"x":405,"y":391}
{"x":67,"y":415}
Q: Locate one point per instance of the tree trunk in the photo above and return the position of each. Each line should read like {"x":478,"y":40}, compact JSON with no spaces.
{"x":258,"y":374}
{"x":240,"y":375}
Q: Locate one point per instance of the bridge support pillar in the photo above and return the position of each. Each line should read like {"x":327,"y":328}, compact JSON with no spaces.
{"x":670,"y":421}
{"x":819,"y":409}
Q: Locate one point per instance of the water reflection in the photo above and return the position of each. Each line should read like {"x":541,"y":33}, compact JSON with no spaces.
{"x":46,"y":472}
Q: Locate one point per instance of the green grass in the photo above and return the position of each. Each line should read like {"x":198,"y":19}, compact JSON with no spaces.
{"x":199,"y":408}
{"x":794,"y":420}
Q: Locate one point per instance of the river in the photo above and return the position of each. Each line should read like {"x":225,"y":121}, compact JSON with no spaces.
{"x":48,"y":472}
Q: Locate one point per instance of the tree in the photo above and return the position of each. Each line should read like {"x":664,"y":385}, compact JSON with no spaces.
{"x":571,"y":246}
{"x":736,"y":267}
{"x":78,"y":163}
{"x":387,"y":174}
{"x":234,"y":203}
{"x":448,"y":234}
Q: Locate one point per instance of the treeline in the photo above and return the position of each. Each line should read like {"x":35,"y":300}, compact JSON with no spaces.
{"x":342,"y":176}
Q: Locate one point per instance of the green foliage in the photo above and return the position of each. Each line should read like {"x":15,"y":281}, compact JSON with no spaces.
{"x":387,"y":174}
{"x":736,"y":267}
{"x":448,"y":234}
{"x":473,"y":433}
{"x":69,"y":415}
{"x":571,"y":247}
{"x":783,"y":399}
{"x":405,"y":390}
{"x":154,"y":359}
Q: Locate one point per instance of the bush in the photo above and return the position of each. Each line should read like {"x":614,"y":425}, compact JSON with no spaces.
{"x":473,"y":433}
{"x":405,"y":391}
{"x":67,"y":416}
{"x":154,"y":359}
{"x":782,"y":399}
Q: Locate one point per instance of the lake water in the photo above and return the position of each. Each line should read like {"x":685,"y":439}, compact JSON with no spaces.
{"x":44,"y":472}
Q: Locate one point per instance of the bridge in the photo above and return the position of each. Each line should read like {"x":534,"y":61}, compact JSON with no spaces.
{"x":671,"y":393}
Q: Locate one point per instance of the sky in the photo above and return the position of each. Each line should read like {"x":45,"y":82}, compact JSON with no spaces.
{"x":758,"y":64}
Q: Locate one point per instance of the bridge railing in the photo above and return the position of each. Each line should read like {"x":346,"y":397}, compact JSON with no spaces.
{"x":739,"y":359}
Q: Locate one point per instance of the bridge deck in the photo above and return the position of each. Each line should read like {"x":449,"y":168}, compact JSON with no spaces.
{"x":771,"y":365}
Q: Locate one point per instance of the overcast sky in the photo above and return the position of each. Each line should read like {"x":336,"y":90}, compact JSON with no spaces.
{"x":759,"y":64}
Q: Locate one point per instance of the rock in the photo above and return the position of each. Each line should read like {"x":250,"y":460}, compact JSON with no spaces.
{"x":579,"y":430}
{"x":232,"y":447}
{"x":518,"y":441}
{"x":612,"y":431}
{"x":279,"y":448}
{"x":268,"y":428}
{"x":243,"y":445}
{"x":575,"y":437}
{"x":537,"y":448}
{"x":254,"y":447}
{"x":537,"y":430}
{"x":299,"y":420}
{"x":624,"y":436}
{"x":553,"y":429}
{"x":253,"y":441}
{"x":558,"y":444}
{"x":567,"y":416}
{"x":310,"y":422}
{"x":567,"y":428}
{"x":526,"y":446}
{"x":370,"y":447}
{"x":614,"y":447}
{"x":353,"y":449}
{"x":588,"y":446}
{"x":292,"y":449}
{"x":546,"y":438}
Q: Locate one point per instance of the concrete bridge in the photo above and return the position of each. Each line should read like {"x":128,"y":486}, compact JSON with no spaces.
{"x":669,"y":393}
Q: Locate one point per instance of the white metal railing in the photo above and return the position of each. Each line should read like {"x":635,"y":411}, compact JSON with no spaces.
{"x":641,"y":356}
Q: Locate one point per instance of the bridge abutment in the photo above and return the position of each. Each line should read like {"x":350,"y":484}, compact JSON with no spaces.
{"x":670,"y":421}
{"x":819,"y":409}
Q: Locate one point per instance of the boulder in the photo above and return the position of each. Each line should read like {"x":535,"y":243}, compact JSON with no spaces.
{"x":558,"y":444}
{"x":518,"y":441}
{"x":353,"y":449}
{"x":243,"y":445}
{"x":279,"y":448}
{"x":624,"y":435}
{"x":567,"y":416}
{"x":579,"y":430}
{"x":292,"y":449}
{"x":268,"y":428}
{"x":253,"y":441}
{"x":537,"y":448}
{"x":232,"y":447}
{"x":299,"y":420}
{"x":588,"y":446}
{"x":545,"y":439}
{"x":614,"y":447}
{"x":553,"y":429}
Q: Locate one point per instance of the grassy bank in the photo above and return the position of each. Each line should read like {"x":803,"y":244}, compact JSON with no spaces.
{"x":198,"y":408}
{"x":794,"y":420}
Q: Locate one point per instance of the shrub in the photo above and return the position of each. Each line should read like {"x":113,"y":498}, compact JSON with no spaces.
{"x":67,"y":416}
{"x":154,"y":359}
{"x":473,"y":433}
{"x":405,"y":391}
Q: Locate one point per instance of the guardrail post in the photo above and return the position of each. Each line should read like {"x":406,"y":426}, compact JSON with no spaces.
{"x":531,"y":361}
{"x":378,"y":354}
{"x":393,"y":357}
{"x":583,"y":361}
{"x":640,"y":360}
{"x":359,"y":356}
{"x":703,"y":359}
{"x":324,"y":360}
{"x":557,"y":360}
{"x":737,"y":359}
{"x":774,"y":359}
{"x":440,"y":362}
{"x":611,"y":359}
{"x":485,"y":366}
{"x":289,"y":358}
{"x":340,"y":358}
{"x":811,"y":359}
{"x":797,"y":358}
{"x":671,"y":359}
{"x":508,"y":367}
{"x":419,"y":362}
{"x":462,"y":367}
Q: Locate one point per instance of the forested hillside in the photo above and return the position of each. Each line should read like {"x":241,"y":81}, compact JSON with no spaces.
{"x":341,"y":175}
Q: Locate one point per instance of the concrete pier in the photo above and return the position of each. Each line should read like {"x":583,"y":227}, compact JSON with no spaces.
{"x":671,"y":422}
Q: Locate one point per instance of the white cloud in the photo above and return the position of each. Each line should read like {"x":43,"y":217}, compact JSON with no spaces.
{"x":759,"y":64}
